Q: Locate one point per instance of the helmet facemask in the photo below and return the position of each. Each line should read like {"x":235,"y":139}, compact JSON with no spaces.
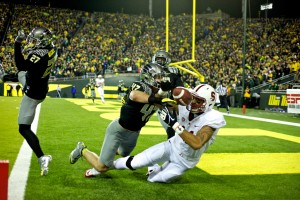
{"x":162,"y":58}
{"x":204,"y":99}
{"x":198,"y":105}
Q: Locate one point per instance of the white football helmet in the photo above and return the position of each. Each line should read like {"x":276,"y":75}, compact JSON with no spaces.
{"x":99,"y":76}
{"x":204,"y":98}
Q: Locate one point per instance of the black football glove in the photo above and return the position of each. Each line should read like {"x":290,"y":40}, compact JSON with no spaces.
{"x":168,"y":116}
{"x":21,"y":36}
{"x":165,"y":84}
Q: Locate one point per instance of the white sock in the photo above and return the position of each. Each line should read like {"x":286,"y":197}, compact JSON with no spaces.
{"x":121,"y":163}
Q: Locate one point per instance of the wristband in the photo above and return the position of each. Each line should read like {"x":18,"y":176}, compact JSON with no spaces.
{"x":152,"y":99}
{"x":178,"y":128}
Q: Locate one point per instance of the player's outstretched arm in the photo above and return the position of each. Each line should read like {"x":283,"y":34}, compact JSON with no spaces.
{"x":199,"y":140}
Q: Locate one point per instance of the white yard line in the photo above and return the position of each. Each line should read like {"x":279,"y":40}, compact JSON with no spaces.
{"x":19,"y":174}
{"x":263,"y":119}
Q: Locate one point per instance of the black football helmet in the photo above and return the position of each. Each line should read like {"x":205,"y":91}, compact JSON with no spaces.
{"x":152,"y":74}
{"x":40,"y":38}
{"x":162,"y":58}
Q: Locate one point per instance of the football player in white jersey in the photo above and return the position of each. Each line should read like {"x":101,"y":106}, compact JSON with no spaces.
{"x":100,"y":86}
{"x":196,"y":129}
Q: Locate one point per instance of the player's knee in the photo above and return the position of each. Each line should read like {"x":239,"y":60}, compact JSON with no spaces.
{"x":100,"y":167}
{"x":125,"y":151}
{"x":24,"y":129}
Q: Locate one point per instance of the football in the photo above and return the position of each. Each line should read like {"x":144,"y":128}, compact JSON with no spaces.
{"x":182,"y":96}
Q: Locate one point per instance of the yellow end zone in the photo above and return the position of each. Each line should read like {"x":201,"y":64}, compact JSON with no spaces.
{"x":250,"y":163}
{"x":225,"y":163}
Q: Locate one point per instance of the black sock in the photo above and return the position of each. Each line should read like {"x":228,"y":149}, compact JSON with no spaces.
{"x":128,"y":163}
{"x":31,"y":138}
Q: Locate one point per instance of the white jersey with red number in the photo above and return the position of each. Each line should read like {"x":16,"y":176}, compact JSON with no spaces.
{"x":185,"y":154}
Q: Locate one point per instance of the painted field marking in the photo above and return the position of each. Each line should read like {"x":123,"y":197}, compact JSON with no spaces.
{"x":19,"y":173}
{"x":250,"y":163}
{"x":257,"y":132}
{"x":237,"y":163}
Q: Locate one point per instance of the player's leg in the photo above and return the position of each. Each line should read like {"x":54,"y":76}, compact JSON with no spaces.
{"x":226,"y":104}
{"x":93,"y":94}
{"x":109,"y":148}
{"x":149,"y":157}
{"x":101,"y":92}
{"x":128,"y":143}
{"x":166,"y":173}
{"x":25,"y":119}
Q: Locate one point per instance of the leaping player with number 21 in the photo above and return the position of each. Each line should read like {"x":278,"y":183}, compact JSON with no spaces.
{"x":196,"y":126}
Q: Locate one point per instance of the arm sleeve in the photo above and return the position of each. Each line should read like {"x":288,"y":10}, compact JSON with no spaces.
{"x":19,"y":58}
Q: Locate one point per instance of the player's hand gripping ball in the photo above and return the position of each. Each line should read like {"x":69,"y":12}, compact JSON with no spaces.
{"x":182,"y":96}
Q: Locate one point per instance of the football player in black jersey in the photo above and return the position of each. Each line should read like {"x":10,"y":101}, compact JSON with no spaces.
{"x":122,"y":133}
{"x":172,"y":80}
{"x":34,"y":63}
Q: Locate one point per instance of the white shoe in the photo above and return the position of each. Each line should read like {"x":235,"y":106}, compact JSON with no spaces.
{"x":90,"y":173}
{"x":44,"y":162}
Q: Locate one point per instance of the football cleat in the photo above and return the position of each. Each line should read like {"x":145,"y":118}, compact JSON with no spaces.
{"x":44,"y":162}
{"x":90,"y":173}
{"x":77,"y":152}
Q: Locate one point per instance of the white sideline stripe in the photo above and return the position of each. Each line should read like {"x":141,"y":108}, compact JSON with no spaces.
{"x":19,"y":174}
{"x":263,"y":119}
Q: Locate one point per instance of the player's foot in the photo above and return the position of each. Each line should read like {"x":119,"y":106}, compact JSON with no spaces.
{"x":77,"y":152}
{"x":44,"y":162}
{"x":90,"y":173}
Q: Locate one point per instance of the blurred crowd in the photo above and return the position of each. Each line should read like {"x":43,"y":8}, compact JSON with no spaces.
{"x":98,"y":42}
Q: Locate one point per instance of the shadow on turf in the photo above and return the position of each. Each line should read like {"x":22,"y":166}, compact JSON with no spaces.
{"x":191,"y":176}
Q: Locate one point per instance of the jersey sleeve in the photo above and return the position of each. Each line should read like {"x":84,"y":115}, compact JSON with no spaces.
{"x":19,"y":58}
{"x":215,"y":119}
{"x":140,"y":86}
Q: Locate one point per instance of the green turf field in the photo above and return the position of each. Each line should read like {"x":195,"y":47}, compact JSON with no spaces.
{"x":249,"y":159}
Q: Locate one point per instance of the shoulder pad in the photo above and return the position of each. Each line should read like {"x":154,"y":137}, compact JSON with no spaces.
{"x":40,"y":52}
{"x":173,"y":70}
{"x":141,"y":86}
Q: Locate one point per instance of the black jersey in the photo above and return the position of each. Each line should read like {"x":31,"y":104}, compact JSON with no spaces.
{"x":92,"y":86}
{"x":135,"y":115}
{"x":121,"y":88}
{"x":38,"y":64}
